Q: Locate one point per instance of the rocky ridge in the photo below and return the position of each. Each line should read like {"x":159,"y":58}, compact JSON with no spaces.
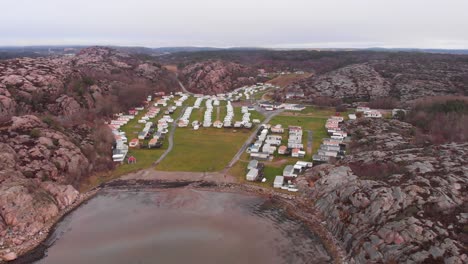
{"x":216,"y":76}
{"x":402,"y":79}
{"x":393,"y":201}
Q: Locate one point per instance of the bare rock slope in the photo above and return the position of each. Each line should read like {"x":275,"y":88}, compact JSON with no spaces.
{"x":211,"y":77}
{"x":359,"y":81}
{"x":391,"y":200}
{"x":405,"y":79}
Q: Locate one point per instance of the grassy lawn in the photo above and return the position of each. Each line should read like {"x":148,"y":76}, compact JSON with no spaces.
{"x":256,"y":115}
{"x":145,"y":157}
{"x":190,"y":101}
{"x":237,"y":114}
{"x":259,"y":95}
{"x":207,"y":149}
{"x":239,"y":170}
{"x":197,"y":115}
{"x":222,"y":112}
{"x":321,"y":112}
{"x":284,"y":80}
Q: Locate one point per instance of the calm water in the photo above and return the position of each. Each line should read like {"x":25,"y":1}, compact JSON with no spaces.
{"x":181,"y":226}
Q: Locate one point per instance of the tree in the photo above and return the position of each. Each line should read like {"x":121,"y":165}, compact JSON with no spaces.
{"x":400,"y":115}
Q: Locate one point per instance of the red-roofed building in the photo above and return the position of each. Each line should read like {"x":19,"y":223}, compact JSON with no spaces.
{"x":132,"y":160}
{"x":282,"y":150}
{"x":134,"y":143}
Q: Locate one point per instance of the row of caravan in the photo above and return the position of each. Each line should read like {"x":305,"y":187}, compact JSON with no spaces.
{"x":229,"y":116}
{"x":184,"y":120}
{"x":207,"y":121}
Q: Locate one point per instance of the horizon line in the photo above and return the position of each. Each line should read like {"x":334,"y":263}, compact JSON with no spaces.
{"x":229,"y":47}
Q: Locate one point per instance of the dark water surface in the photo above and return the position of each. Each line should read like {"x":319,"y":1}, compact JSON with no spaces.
{"x":181,"y":226}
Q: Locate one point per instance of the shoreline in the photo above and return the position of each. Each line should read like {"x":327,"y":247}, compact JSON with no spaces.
{"x":34,"y":250}
{"x":295,"y":206}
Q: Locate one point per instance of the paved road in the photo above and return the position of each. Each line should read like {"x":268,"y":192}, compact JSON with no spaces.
{"x":173,"y":127}
{"x":268,"y":116}
{"x":309,"y":141}
{"x":170,"y":139}
{"x":182,"y":85}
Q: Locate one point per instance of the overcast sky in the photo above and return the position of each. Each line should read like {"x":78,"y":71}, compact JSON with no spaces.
{"x":234,"y":23}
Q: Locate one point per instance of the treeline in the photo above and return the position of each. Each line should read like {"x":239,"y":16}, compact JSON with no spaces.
{"x":317,"y":61}
{"x":440,"y":119}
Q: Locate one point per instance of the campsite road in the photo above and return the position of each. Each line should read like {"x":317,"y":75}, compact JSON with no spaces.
{"x":170,"y":139}
{"x":309,"y":141}
{"x":182,"y":85}
{"x":269,"y":115}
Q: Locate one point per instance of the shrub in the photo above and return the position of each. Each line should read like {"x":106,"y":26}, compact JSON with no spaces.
{"x":400,"y":115}
{"x":35,"y":133}
{"x":383,"y":103}
{"x":88,"y":81}
{"x":28,"y":174}
{"x":326,"y":101}
{"x":376,"y":170}
{"x":52,"y":122}
{"x":341,"y":108}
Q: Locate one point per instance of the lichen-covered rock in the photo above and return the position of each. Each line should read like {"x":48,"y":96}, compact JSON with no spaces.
{"x":391,"y":200}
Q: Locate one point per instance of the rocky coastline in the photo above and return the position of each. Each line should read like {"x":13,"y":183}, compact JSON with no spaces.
{"x":34,"y":245}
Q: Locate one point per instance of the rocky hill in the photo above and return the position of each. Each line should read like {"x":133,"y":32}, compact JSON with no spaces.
{"x":392,"y":200}
{"x":51,"y":130}
{"x":354,"y":81}
{"x":352,"y":75}
{"x":403,"y":79}
{"x":211,"y":77}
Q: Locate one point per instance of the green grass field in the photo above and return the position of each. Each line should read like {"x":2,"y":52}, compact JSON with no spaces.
{"x":239,"y":170}
{"x":320,"y":112}
{"x":222,"y":112}
{"x":207,"y":149}
{"x":197,"y":114}
{"x":259,"y":95}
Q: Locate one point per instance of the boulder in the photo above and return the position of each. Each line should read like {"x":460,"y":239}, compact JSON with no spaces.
{"x":9,"y":256}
